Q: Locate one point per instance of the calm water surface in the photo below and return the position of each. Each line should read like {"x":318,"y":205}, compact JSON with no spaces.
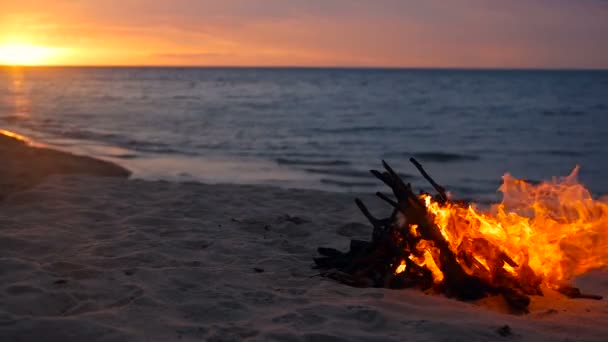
{"x":320,"y":128}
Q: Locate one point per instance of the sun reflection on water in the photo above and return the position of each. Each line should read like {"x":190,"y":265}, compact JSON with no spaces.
{"x":19,"y":94}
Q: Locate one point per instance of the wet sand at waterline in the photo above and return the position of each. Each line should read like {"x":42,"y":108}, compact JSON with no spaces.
{"x":23,"y":165}
{"x":87,"y":254}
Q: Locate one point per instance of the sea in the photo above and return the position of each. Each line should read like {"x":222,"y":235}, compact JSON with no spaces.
{"x":320,"y":128}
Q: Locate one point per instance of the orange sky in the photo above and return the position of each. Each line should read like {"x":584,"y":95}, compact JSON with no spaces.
{"x":405,"y":33}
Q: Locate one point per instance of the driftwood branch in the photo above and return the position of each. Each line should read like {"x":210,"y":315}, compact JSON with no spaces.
{"x":388,"y":200}
{"x":440,"y":190}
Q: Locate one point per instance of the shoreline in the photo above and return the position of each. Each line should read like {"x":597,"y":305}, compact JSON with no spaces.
{"x":212,"y":169}
{"x":96,"y":159}
{"x":26,"y":164}
{"x":287,"y":173}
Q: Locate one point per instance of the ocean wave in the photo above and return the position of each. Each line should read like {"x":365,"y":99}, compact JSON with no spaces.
{"x":152,"y":147}
{"x":288,"y":161}
{"x":561,"y":153}
{"x":348,"y":184}
{"x":11,"y":119}
{"x":340,"y":172}
{"x":563,"y":112}
{"x":116,"y":140}
{"x":57,"y":130}
{"x":359,"y":129}
{"x":444,"y":157}
{"x":185,"y":97}
{"x":351,"y":173}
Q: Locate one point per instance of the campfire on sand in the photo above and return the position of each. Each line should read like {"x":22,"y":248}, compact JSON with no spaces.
{"x":539,"y":236}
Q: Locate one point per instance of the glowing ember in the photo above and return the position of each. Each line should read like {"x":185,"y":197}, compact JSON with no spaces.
{"x":555,"y":228}
{"x":401,"y":268}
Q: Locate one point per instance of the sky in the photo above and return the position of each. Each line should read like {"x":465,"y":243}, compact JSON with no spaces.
{"x":367,"y":33}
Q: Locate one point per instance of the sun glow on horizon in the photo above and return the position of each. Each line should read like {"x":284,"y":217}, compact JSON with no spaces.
{"x":19,"y":54}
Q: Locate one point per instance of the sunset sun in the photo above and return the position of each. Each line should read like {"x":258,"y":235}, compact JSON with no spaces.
{"x":26,"y":54}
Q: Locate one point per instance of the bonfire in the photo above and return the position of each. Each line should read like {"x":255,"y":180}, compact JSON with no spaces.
{"x":540,"y":236}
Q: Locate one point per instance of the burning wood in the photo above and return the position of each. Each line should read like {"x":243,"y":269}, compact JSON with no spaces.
{"x":432,"y":242}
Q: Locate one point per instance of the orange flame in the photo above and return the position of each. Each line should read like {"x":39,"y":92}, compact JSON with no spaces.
{"x":555,"y":228}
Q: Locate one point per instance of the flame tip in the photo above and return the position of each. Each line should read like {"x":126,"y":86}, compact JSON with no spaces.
{"x":550,"y":231}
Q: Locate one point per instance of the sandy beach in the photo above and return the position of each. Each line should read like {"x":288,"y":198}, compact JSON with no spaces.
{"x":90,"y":255}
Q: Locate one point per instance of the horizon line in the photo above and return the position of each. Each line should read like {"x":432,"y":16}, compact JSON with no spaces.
{"x":346,"y":67}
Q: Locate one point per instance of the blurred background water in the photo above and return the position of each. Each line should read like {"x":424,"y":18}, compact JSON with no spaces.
{"x":320,"y":128}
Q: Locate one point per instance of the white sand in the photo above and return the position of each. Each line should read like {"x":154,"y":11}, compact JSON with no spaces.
{"x":99,"y":259}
